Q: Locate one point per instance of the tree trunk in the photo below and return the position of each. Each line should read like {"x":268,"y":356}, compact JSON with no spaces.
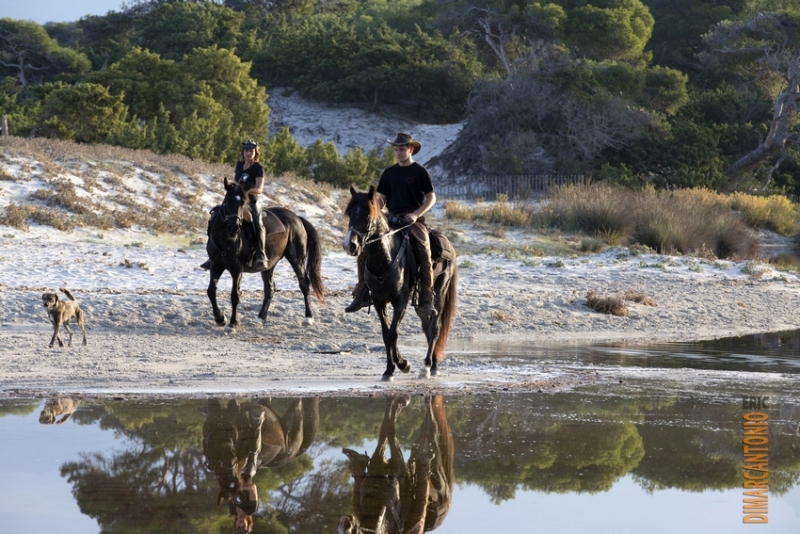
{"x":780,"y":130}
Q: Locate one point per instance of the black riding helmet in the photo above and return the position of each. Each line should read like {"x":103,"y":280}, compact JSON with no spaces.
{"x":249,"y":144}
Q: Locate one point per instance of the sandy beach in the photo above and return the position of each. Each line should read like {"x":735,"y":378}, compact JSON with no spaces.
{"x":150,"y":328}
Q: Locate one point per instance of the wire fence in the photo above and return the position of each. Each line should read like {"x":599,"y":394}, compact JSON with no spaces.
{"x":516,"y":187}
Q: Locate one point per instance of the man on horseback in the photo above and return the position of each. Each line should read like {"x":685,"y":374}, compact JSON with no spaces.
{"x":406,"y":191}
{"x":249,"y":175}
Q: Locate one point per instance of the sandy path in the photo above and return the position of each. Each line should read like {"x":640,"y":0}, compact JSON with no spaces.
{"x":143,"y":340}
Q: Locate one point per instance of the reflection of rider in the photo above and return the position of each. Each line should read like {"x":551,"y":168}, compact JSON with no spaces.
{"x":249,"y":175}
{"x":394,"y":496}
{"x":231,"y":443}
{"x":241,"y":438}
{"x":406,"y":190}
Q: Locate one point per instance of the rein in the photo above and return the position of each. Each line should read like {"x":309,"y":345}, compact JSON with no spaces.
{"x":373,"y":240}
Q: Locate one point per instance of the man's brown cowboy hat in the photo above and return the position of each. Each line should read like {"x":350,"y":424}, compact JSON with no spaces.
{"x":406,"y":139}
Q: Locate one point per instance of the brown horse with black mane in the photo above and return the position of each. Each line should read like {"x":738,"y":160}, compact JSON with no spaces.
{"x":228,"y":248}
{"x":391,"y":275}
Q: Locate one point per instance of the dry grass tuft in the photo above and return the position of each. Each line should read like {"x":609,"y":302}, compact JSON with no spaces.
{"x":16,"y":216}
{"x":639,"y":298}
{"x":607,"y":305}
{"x":503,"y":316}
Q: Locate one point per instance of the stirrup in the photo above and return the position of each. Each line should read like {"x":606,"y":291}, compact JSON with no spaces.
{"x":360,"y":301}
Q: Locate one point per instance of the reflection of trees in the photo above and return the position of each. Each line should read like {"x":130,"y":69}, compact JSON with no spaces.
{"x":697,"y":456}
{"x":142,"y":489}
{"x":309,"y":503}
{"x":18,"y":407}
{"x":567,"y":442}
{"x":520,"y":442}
{"x":159,"y":483}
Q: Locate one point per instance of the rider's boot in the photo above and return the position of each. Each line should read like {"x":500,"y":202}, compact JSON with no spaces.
{"x":360,"y":293}
{"x":260,"y":261}
{"x":425,"y":273}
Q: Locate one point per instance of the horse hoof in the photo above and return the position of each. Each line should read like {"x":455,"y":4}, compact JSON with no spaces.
{"x":434,"y":372}
{"x":387,"y":378}
{"x":404,"y":366}
{"x":230,"y":329}
{"x":308,"y":321}
{"x":425,"y":373}
{"x":221,"y":321}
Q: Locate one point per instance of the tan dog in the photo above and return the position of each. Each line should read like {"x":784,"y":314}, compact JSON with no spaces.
{"x":60,"y":312}
{"x":54,"y":408}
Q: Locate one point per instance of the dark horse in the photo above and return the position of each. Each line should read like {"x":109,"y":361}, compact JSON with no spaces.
{"x":229,"y":250}
{"x":391,"y":274}
{"x":395,"y":496}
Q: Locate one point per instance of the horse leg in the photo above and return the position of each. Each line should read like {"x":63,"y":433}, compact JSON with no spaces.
{"x":400,"y":306}
{"x":389,"y":341}
{"x":236,"y":286}
{"x":431,"y":326}
{"x":268,"y":277}
{"x":388,"y":436}
{"x":305,"y":286}
{"x":216,"y":272}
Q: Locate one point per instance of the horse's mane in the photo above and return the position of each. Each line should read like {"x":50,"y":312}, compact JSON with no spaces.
{"x":373,"y":207}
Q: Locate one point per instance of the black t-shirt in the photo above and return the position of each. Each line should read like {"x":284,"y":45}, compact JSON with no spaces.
{"x":405,"y":187}
{"x":247,"y":178}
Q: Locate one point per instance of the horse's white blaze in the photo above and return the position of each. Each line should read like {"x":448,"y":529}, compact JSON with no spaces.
{"x":308,"y":321}
{"x":347,"y":240}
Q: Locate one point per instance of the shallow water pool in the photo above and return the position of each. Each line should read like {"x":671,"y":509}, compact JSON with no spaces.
{"x":640,"y":456}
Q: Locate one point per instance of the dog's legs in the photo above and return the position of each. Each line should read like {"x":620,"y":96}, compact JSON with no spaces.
{"x":82,"y":323}
{"x":56,"y":337}
{"x":66,"y":327}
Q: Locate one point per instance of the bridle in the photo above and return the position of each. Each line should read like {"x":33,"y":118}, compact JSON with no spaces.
{"x":232,"y":215}
{"x":368,"y":231}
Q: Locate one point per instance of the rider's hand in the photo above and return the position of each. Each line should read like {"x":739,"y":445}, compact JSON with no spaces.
{"x":410,"y":218}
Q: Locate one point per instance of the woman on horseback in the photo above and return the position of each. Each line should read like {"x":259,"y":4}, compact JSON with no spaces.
{"x":249,"y":175}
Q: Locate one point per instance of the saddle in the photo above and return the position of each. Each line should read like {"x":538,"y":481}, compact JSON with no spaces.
{"x":441,"y":247}
{"x":272,"y":224}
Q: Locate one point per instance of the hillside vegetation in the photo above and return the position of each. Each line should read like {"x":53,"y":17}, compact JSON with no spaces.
{"x":665,"y":93}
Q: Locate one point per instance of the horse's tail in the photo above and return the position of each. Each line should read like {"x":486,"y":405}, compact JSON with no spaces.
{"x":447,"y":314}
{"x":314,"y":262}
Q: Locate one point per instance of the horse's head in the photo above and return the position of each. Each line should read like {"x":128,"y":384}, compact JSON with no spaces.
{"x":363,"y":211}
{"x":232,"y":206}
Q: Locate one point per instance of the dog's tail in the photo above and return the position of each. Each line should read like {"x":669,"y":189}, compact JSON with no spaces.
{"x":67,"y":293}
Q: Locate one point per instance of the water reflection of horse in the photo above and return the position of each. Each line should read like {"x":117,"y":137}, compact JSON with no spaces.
{"x":394,"y":496}
{"x":291,"y":237}
{"x":241,"y":438}
{"x":391,"y":274}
